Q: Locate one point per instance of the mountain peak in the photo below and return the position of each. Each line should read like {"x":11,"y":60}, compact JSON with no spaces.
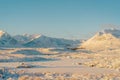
{"x":32,"y":36}
{"x":113,"y":31}
{"x":2,"y":33}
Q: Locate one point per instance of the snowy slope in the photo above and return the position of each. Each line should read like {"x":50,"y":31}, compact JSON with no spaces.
{"x":7,"y":40}
{"x":44,"y":41}
{"x":106,"y":39}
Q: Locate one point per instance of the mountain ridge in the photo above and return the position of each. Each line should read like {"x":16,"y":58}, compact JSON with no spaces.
{"x":34,"y":40}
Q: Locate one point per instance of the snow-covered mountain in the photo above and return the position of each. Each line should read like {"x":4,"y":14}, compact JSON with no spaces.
{"x":44,"y":41}
{"x":34,"y":40}
{"x":25,"y":38}
{"x":106,"y":39}
{"x":7,"y":40}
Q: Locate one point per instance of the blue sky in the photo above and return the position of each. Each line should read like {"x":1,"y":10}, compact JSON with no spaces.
{"x":58,"y":18}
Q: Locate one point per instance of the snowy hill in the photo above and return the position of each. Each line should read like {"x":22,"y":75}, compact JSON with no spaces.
{"x":106,"y":39}
{"x":44,"y":41}
{"x":7,"y":40}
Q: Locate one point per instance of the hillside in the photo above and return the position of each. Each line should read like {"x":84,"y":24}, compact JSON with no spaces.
{"x":106,"y":39}
{"x":44,"y":41}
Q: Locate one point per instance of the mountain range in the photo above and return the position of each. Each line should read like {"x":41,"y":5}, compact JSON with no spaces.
{"x":34,"y":40}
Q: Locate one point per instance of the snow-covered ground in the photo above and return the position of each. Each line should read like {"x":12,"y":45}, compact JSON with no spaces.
{"x":16,"y":64}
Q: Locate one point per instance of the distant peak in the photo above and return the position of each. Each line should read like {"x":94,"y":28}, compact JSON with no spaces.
{"x":113,"y":31}
{"x":110,"y":30}
{"x":2,"y":32}
{"x":36,"y":35}
{"x":33,"y":36}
